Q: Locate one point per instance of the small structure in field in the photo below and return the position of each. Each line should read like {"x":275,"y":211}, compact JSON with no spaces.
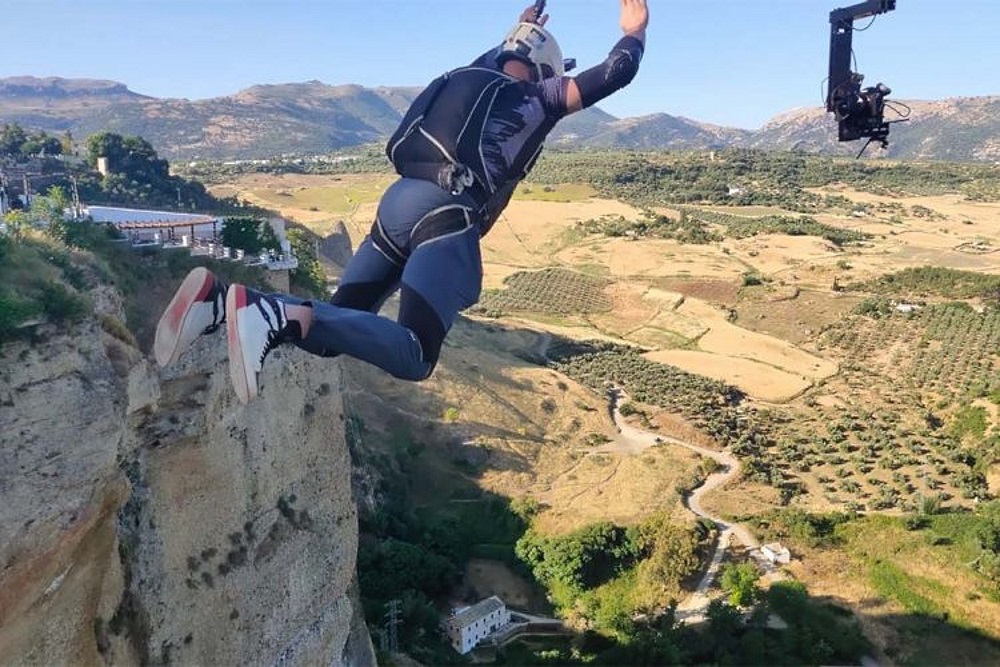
{"x":776,"y":553}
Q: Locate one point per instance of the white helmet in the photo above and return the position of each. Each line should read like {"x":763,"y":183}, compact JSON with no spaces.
{"x":536,"y":47}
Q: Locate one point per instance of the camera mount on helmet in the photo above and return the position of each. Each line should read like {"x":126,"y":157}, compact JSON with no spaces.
{"x":859,"y":111}
{"x":535,"y":46}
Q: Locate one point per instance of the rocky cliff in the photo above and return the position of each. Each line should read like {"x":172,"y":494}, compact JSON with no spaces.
{"x":148,"y":517}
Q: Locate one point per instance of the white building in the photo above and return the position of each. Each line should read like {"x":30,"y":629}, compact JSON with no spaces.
{"x":156,"y":225}
{"x":775,"y":553}
{"x":200,"y":233}
{"x":468,"y":626}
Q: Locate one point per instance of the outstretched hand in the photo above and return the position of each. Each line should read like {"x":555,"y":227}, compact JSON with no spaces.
{"x":634,"y":18}
{"x":528,"y":16}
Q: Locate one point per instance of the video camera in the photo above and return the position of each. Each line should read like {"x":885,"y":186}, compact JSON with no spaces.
{"x":859,"y":111}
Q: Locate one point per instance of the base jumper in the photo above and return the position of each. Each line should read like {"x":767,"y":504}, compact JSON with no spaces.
{"x":460,"y":151}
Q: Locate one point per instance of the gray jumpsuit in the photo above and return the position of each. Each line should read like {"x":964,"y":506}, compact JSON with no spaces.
{"x":425,"y":241}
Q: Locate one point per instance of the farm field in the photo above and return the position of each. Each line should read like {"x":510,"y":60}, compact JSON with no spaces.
{"x":790,"y":350}
{"x":790,"y":339}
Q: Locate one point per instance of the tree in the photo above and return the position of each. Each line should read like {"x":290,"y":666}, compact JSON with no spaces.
{"x":740,"y":582}
{"x":309,"y":276}
{"x":134,"y":157}
{"x":41,"y":144}
{"x":249,"y":234}
{"x":17,"y":223}
{"x":67,"y":142}
{"x":12,"y":137}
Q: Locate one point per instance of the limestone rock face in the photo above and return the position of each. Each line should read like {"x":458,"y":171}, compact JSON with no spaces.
{"x":148,"y":516}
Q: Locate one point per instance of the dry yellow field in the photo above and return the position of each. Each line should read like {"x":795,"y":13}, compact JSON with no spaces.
{"x":760,"y":357}
{"x":522,"y":430}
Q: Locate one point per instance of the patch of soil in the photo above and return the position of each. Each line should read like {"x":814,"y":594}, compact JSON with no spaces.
{"x":721,"y":292}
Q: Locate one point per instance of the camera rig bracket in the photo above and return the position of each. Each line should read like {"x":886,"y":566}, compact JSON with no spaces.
{"x":859,"y":111}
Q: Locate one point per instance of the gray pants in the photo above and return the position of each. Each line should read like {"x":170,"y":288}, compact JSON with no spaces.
{"x":438,"y":271}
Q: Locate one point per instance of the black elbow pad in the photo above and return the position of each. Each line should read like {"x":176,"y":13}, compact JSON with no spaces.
{"x":616,"y":72}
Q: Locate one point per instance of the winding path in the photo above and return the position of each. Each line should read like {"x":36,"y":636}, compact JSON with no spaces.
{"x":634,"y":440}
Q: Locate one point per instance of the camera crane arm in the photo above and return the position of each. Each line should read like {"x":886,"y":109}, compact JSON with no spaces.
{"x":841,"y":32}
{"x":859,"y":112}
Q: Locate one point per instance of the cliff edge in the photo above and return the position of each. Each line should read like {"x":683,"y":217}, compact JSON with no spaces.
{"x":147,"y":517}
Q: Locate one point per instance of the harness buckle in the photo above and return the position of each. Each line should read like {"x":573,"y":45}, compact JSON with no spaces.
{"x":455,"y":178}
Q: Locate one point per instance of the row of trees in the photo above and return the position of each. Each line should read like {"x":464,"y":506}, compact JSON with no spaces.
{"x":741,"y":177}
{"x":16,"y":143}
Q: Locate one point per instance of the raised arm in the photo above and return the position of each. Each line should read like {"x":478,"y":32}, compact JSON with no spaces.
{"x":617,"y":71}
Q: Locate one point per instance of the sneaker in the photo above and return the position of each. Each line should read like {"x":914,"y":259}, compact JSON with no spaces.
{"x":257,"y":324}
{"x":198,"y":307}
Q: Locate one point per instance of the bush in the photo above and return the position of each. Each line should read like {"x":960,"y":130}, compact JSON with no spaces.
{"x":249,"y":234}
{"x":14,"y":311}
{"x":62,"y":305}
{"x":740,"y":583}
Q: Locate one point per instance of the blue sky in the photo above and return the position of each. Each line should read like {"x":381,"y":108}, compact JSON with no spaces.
{"x":729,"y":62}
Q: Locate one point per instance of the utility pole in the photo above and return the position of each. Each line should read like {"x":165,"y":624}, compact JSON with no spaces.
{"x":392,"y":621}
{"x":77,"y":209}
{"x":4,"y":193}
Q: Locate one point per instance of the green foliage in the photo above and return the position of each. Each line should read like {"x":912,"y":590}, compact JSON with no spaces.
{"x":969,"y":420}
{"x":132,"y":156}
{"x":392,"y":566}
{"x":556,"y":290}
{"x":139,"y":177}
{"x":609,"y":573}
{"x":937,"y":281}
{"x":685,"y":229}
{"x":580,"y":560}
{"x":874,"y":307}
{"x":309,"y":278}
{"x":668,"y":553}
{"x":525,"y":508}
{"x":741,"y":177}
{"x":812,"y":529}
{"x":15,"y":311}
{"x":39,"y":283}
{"x":739,"y":581}
{"x":742,"y":226}
{"x":892,"y":582}
{"x":250,"y":234}
{"x":817,"y":633}
{"x":16,"y":143}
{"x":418,"y":553}
{"x":61,"y":304}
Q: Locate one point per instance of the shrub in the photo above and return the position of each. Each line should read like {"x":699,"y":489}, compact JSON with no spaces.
{"x":62,"y":305}
{"x":14,"y":311}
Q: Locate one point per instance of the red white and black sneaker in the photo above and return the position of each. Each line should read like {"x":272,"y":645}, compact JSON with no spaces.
{"x":198,"y":307}
{"x":257,"y":324}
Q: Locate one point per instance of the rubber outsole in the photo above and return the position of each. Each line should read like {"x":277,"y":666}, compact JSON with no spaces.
{"x":176,"y":329}
{"x":244,"y":383}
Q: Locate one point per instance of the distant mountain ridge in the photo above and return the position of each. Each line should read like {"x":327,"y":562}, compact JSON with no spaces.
{"x":313,"y":117}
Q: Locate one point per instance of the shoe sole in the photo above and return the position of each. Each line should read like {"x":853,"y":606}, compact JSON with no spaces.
{"x":181,"y":324}
{"x":244,"y":378}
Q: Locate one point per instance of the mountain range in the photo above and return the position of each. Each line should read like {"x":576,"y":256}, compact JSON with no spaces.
{"x":315,"y":118}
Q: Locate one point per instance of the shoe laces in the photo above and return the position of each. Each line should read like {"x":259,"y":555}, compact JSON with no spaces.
{"x":275,"y":330}
{"x":218,"y":298}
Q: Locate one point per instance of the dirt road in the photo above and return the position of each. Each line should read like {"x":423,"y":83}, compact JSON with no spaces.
{"x":634,"y":440}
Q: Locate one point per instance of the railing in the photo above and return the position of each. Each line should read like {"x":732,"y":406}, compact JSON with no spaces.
{"x":204,"y":247}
